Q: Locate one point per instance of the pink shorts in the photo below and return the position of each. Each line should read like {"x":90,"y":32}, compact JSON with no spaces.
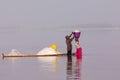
{"x":79,"y":53}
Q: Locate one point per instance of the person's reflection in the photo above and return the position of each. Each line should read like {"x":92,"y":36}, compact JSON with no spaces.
{"x":69,"y":67}
{"x":77,"y":69}
{"x":73,"y":71}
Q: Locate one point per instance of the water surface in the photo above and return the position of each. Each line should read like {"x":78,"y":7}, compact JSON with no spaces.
{"x":100,"y":58}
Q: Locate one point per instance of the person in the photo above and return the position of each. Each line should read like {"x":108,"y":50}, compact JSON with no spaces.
{"x":69,"y":40}
{"x":78,"y":52}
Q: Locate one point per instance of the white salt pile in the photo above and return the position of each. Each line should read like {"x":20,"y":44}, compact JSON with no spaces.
{"x":14,"y":52}
{"x":47,"y":51}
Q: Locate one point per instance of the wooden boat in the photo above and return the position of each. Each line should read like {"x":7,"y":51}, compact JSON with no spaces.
{"x":4,"y":55}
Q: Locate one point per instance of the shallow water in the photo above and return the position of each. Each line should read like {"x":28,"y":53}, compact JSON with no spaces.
{"x":100,"y":60}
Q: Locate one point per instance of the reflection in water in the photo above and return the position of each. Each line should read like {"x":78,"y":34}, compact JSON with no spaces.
{"x":69,"y":68}
{"x":51,"y":60}
{"x":11,"y":58}
{"x":78,"y":69}
{"x":73,"y":72}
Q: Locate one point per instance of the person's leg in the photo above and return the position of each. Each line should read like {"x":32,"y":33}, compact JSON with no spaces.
{"x":69,"y":52}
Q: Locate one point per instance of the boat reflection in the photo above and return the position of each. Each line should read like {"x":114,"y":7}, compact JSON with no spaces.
{"x":73,"y":70}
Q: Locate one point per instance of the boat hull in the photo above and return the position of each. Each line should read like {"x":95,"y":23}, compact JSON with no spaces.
{"x":4,"y":55}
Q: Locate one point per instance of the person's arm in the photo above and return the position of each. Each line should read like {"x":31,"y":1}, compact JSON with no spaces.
{"x":72,"y":38}
{"x":70,"y":34}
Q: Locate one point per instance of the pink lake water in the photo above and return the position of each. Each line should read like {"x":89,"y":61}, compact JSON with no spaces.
{"x":100,"y":60}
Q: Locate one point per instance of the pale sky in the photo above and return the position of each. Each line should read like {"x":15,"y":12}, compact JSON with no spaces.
{"x":47,"y":13}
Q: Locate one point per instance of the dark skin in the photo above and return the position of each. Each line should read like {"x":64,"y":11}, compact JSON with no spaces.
{"x":69,"y":42}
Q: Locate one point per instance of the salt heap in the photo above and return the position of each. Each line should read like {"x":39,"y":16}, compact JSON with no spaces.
{"x":14,"y":52}
{"x":49,"y":50}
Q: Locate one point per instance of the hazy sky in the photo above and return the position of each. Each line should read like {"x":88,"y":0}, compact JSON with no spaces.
{"x":47,"y":13}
